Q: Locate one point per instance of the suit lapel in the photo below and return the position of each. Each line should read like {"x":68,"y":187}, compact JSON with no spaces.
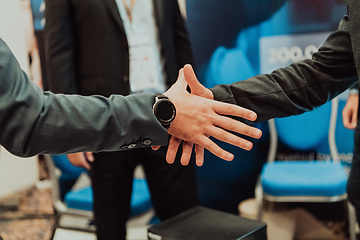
{"x":159,"y":12}
{"x":354,"y":23}
{"x":114,"y":12}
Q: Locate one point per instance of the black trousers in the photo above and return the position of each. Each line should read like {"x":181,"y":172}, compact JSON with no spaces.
{"x":172,"y":188}
{"x":353,"y":185}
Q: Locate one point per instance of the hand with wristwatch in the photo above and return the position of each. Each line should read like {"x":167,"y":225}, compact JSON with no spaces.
{"x":191,"y":119}
{"x":164,"y":110}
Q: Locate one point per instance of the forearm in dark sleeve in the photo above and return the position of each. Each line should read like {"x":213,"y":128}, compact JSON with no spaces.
{"x":301,"y":86}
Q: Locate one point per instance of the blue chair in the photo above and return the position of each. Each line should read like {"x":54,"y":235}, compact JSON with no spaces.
{"x":305,"y":180}
{"x":78,"y":203}
{"x":140,"y":199}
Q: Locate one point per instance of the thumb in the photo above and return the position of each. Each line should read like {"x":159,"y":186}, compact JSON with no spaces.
{"x":354,"y":120}
{"x":89,"y":156}
{"x":196,"y":87}
{"x":181,"y":79}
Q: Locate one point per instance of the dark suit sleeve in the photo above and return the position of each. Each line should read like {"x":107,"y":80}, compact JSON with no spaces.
{"x":299,"y":87}
{"x":33,"y":122}
{"x":355,"y":87}
{"x":60,"y":46}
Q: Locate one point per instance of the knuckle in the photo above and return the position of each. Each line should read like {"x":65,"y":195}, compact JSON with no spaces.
{"x":247,"y":130}
{"x":232,"y":124}
{"x":210,"y":145}
{"x":221,"y":153}
{"x":204,"y":120}
{"x":229,"y":109}
{"x":224,"y":135}
{"x":188,"y":144}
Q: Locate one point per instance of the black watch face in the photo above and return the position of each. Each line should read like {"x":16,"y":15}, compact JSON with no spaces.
{"x":164,"y":110}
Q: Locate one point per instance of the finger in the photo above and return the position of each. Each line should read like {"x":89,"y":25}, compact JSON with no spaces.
{"x":347,"y":124}
{"x":345,"y":121}
{"x":196,"y":87}
{"x":355,"y":116}
{"x":155,"y":147}
{"x":84,"y":163}
{"x":173,"y":146}
{"x":234,"y":110}
{"x":181,"y":79}
{"x":215,"y":149}
{"x":179,"y":85}
{"x":235,"y":126}
{"x":353,"y":120}
{"x":199,"y":153}
{"x":230,"y":138}
{"x":346,"y":118}
{"x":186,"y":153}
{"x":89,"y":156}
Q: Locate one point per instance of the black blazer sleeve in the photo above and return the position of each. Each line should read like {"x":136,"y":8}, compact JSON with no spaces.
{"x":299,"y":87}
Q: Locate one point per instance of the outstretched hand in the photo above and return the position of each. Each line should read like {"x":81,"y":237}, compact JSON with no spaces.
{"x":198,"y":116}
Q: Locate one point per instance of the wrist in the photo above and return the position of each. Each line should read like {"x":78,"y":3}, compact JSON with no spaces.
{"x":164,"y":110}
{"x":353,"y":91}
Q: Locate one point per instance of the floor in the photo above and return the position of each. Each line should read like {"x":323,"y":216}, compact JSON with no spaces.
{"x":29,"y":215}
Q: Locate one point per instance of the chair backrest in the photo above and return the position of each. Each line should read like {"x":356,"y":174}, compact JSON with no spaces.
{"x":67,"y":169}
{"x":307,"y":131}
{"x":79,"y":202}
{"x":55,"y":174}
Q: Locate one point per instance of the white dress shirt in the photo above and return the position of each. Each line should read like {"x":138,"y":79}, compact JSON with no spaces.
{"x":143,"y":19}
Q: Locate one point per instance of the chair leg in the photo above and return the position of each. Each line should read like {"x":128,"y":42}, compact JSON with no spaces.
{"x":55,"y":225}
{"x":259,"y":201}
{"x":352,"y":221}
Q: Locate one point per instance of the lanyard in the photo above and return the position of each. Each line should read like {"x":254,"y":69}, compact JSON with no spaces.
{"x":129,"y":8}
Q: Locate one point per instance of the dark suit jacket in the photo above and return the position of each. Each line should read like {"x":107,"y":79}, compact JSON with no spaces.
{"x":307,"y":84}
{"x":87,"y":50}
{"x":33,"y":122}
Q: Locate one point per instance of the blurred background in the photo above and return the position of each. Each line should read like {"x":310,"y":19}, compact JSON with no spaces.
{"x":231,"y":41}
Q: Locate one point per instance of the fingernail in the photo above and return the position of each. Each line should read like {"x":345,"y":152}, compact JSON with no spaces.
{"x":257,"y":133}
{"x":252,"y":115}
{"x":248,"y":145}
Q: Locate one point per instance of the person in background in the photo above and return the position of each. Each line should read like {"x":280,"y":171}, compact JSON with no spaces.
{"x":121,"y":47}
{"x":37,"y":9}
{"x":350,"y":121}
{"x":32,"y":46}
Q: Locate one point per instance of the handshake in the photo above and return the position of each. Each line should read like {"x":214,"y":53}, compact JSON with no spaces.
{"x":198,"y":117}
{"x":191,"y":119}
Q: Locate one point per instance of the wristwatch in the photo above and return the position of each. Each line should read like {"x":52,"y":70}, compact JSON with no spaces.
{"x":164,"y":110}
